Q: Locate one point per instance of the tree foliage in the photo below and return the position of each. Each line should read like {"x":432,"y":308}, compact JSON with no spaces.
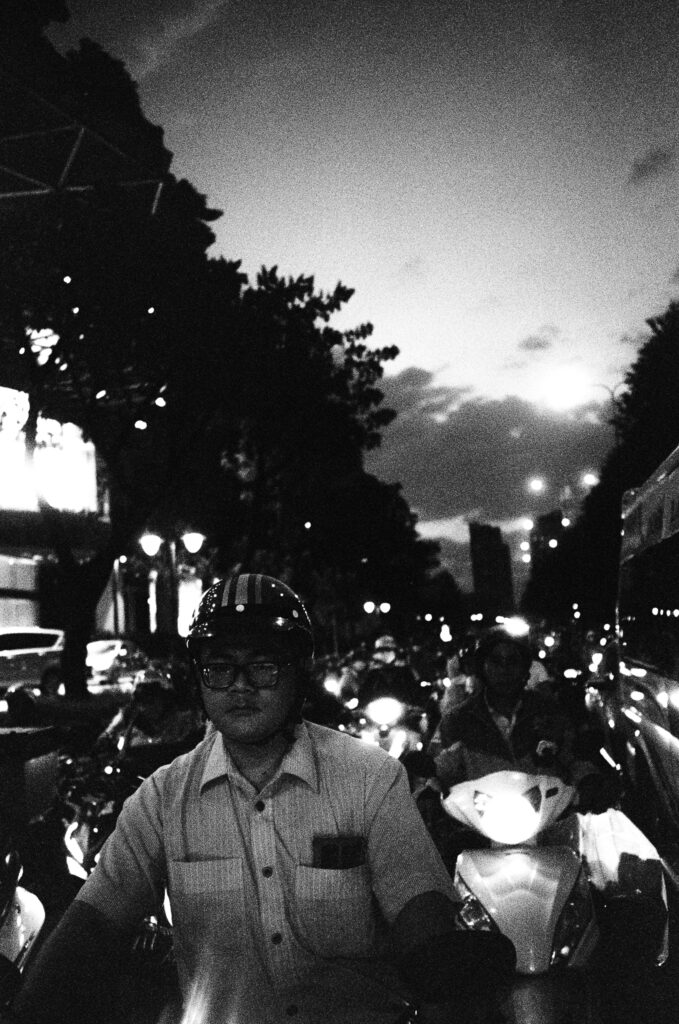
{"x":234,"y":408}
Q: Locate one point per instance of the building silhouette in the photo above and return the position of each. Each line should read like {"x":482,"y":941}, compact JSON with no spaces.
{"x":491,"y":571}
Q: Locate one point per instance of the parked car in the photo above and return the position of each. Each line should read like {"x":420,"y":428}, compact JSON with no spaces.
{"x":31,"y":656}
{"x":114,"y":660}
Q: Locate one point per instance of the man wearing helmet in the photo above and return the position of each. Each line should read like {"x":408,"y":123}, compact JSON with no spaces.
{"x":387,"y":675}
{"x":302,"y":882}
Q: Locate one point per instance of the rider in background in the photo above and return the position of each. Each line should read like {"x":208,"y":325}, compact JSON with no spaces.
{"x":506,"y":725}
{"x":155,"y":715}
{"x":388,"y":674}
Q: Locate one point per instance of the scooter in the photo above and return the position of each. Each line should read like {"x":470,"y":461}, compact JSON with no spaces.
{"x":390,"y":724}
{"x":22,"y":916}
{"x":535,"y":891}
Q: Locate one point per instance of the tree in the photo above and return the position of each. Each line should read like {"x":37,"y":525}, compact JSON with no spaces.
{"x":206,"y":399}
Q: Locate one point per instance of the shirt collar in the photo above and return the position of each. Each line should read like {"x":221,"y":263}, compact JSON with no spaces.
{"x":299,"y":760}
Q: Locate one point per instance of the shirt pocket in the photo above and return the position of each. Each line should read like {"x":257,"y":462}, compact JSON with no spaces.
{"x":335,"y":910}
{"x":208,"y":905}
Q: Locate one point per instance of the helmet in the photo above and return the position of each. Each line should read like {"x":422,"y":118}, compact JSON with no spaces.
{"x":385,"y":643}
{"x":251,"y":605}
{"x":498,"y":635}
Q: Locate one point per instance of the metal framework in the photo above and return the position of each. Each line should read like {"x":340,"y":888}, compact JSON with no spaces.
{"x":44,"y":149}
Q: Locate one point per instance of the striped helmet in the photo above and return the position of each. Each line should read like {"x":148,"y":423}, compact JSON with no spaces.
{"x":251,"y":605}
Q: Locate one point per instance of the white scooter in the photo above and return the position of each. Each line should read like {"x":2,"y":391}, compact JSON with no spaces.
{"x":22,"y":916}
{"x":535,"y":892}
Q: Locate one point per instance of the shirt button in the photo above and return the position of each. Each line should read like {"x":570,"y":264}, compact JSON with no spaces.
{"x":276,"y":938}
{"x":292,"y":1010}
{"x":267,"y":872}
{"x":260,"y":805}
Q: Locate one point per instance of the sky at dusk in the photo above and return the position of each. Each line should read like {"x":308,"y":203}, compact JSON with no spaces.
{"x":496,"y":179}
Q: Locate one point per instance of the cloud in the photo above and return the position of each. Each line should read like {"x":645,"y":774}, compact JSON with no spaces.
{"x":160,"y":43}
{"x":655,"y":163}
{"x":534,"y":343}
{"x":462,"y":456}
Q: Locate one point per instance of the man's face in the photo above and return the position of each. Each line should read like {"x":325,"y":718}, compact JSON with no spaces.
{"x":505,"y":670}
{"x":244,"y":712}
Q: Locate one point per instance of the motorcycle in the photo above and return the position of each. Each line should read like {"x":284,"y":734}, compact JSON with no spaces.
{"x":22,"y":916}
{"x":531,"y":886}
{"x":91,"y":794}
{"x":390,"y":724}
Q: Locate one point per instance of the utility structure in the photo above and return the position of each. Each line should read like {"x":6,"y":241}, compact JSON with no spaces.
{"x":491,"y":571}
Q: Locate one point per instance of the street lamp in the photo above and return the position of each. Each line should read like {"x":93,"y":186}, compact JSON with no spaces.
{"x":151,"y":544}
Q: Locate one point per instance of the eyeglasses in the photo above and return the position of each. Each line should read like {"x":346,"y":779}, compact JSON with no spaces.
{"x":261,"y":675}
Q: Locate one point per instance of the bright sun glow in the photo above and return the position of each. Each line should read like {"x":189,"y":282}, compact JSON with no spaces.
{"x":565,"y":387}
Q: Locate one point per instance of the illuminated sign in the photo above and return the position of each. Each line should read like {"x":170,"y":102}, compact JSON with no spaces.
{"x":63,"y":469}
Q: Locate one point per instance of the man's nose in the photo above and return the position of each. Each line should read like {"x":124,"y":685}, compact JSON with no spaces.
{"x":241,"y":680}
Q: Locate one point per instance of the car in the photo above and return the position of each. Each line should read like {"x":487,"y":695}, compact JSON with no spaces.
{"x":31,"y":656}
{"x":114,"y":660}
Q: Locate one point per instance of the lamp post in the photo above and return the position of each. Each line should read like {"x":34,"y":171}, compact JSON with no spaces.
{"x":151,"y":544}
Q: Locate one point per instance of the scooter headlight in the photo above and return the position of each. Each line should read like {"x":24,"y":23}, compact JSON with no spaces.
{"x":573,"y":921}
{"x":385,"y":711}
{"x":512,"y":818}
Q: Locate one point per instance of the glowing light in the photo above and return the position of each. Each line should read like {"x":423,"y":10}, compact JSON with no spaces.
{"x":384,"y":711}
{"x":307,"y":525}
{"x":525,"y":558}
{"x":67,"y":280}
{"x":150,"y":544}
{"x":525,"y":545}
{"x":445,"y":635}
{"x":398,"y":742}
{"x":565,"y":522}
{"x":527,"y":524}
{"x":590,"y":479}
{"x":101,"y":394}
{"x":151,"y":309}
{"x":553,"y":543}
{"x":428,"y":617}
{"x":193,"y":541}
{"x":549,"y":641}
{"x":516,"y":626}
{"x":160,"y":402}
{"x":636,"y":695}
{"x":511,"y":819}
{"x":537,"y":485}
{"x":141,"y":424}
{"x":333,"y":685}
{"x":565,"y":387}
{"x":369,"y":607}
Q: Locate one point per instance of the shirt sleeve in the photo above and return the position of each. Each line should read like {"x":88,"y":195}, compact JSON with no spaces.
{"x":402,"y":857}
{"x":129,"y":879}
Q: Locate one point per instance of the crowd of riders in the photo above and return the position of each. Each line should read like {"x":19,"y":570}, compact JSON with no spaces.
{"x":264,"y":924}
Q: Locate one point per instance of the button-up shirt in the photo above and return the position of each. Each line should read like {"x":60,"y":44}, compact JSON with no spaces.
{"x":262,"y":934}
